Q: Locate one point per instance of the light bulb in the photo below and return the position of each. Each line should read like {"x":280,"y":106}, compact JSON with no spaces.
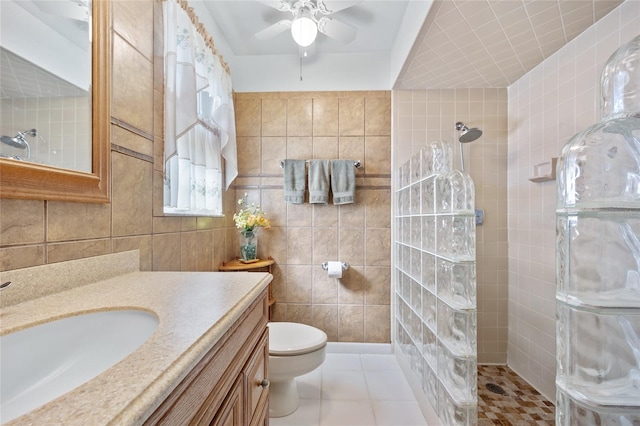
{"x":304,"y":31}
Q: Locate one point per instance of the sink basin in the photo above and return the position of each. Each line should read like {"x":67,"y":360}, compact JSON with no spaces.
{"x":40,"y":363}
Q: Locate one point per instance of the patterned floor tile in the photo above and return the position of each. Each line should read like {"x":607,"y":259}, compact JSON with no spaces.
{"x":519,"y":404}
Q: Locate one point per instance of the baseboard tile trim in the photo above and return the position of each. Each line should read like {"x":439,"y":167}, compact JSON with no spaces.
{"x":358,"y":348}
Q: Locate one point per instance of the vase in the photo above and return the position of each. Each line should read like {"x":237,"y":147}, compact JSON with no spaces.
{"x":248,"y":245}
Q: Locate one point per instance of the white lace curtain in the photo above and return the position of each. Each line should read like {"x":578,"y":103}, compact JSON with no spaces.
{"x":199,"y":119}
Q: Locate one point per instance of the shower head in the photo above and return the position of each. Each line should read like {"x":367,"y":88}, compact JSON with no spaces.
{"x":468,"y":135}
{"x":16,"y":142}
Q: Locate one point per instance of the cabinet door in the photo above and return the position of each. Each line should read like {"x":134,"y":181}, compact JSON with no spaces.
{"x":232,"y":411}
{"x":257,"y":390}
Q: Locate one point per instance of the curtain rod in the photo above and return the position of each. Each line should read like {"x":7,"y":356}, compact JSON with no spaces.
{"x":357,"y":164}
{"x":208,"y":40}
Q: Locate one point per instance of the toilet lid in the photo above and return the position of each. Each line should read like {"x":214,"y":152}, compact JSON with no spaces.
{"x":290,"y":338}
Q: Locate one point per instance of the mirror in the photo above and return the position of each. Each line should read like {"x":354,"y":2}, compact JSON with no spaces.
{"x":84,"y":183}
{"x":44,"y":119}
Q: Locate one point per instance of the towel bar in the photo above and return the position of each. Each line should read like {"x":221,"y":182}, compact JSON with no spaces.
{"x":357,"y":164}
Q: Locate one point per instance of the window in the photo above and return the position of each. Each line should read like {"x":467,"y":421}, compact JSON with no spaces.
{"x":200,"y":142}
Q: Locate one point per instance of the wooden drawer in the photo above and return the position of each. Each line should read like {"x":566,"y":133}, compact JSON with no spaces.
{"x":256,"y":390}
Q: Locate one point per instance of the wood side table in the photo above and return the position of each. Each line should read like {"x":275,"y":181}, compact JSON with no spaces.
{"x":263,"y":265}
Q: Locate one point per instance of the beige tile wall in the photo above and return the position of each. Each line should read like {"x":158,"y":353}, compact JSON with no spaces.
{"x":37,"y":232}
{"x":422,"y":116}
{"x":323,"y":125}
{"x":548,"y":106}
{"x":63,"y":126}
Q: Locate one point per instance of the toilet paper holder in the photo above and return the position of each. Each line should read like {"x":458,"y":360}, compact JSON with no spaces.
{"x":325,"y":266}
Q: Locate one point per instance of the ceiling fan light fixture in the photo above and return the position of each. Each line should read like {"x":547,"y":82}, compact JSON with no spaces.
{"x":304,"y":31}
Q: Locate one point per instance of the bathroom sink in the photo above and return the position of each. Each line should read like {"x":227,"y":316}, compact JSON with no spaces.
{"x":41,"y":363}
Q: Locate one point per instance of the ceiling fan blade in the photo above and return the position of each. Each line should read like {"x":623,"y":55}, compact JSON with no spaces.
{"x":283,"y":6}
{"x":337,"y":30}
{"x":76,"y":10}
{"x":273,"y":30}
{"x":327,"y":7}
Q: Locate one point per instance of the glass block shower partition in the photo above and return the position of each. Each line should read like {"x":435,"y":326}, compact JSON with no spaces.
{"x":435,"y":276}
{"x":598,"y":257}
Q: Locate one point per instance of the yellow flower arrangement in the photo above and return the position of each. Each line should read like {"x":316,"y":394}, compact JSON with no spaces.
{"x":250,"y":216}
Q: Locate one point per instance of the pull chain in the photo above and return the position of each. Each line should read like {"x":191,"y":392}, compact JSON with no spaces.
{"x":300,"y":67}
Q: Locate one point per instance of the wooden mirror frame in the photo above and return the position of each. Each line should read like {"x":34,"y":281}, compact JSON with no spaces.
{"x":32,"y":181}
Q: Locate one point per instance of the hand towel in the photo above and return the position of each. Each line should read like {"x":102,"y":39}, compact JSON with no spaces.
{"x":343,"y":181}
{"x":318,"y":181}
{"x":294,"y":181}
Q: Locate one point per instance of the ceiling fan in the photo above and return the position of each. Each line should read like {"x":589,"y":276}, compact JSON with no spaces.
{"x":309,"y":18}
{"x":77,"y":10}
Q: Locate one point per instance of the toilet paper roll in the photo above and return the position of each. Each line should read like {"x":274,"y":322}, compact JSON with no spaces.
{"x":334,"y":269}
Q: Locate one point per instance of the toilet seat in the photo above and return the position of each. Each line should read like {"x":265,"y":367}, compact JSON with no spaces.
{"x":290,"y":338}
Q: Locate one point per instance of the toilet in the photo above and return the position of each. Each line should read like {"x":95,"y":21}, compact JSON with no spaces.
{"x":294,"y":349}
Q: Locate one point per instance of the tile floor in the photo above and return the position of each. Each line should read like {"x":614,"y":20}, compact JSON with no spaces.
{"x":370,"y":390}
{"x":355,"y":390}
{"x":520,"y":404}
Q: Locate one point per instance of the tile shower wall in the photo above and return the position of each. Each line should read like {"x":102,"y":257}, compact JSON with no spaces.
{"x":422,"y":116}
{"x":546,"y":107}
{"x":37,"y":232}
{"x":63,"y":126}
{"x":323,"y":125}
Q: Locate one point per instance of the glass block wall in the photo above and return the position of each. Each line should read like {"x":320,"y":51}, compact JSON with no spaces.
{"x":598,"y":257}
{"x":435,"y":276}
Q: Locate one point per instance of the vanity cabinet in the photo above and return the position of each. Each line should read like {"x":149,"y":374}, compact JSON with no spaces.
{"x":228,"y":386}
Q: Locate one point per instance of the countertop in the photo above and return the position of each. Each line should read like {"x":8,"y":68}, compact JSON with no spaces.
{"x":194,"y":309}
